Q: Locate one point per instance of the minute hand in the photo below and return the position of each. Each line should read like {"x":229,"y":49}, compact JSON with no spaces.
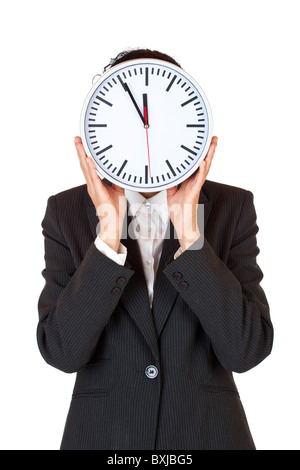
{"x":126,"y":88}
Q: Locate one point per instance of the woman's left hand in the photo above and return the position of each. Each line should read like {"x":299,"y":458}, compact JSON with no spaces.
{"x":183,"y":202}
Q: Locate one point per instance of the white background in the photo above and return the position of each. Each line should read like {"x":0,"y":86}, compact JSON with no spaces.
{"x":245,"y":55}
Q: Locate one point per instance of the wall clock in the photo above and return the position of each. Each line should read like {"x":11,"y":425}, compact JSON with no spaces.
{"x":147,"y":125}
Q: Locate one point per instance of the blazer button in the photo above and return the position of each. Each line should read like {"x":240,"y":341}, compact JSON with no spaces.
{"x":184,"y":285}
{"x":121,"y":281}
{"x":151,"y":372}
{"x":177,"y":276}
{"x":116,"y":291}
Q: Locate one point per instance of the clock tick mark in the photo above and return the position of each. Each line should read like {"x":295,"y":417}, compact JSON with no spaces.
{"x":104,"y":101}
{"x":122,"y":167}
{"x":188,"y":150}
{"x":147,"y":77}
{"x":189,"y":101}
{"x":104,"y":150}
{"x":195,"y":125}
{"x":171,"y":83}
{"x":171,"y":168}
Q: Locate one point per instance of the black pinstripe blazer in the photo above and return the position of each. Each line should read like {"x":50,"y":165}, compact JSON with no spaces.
{"x":210,"y":317}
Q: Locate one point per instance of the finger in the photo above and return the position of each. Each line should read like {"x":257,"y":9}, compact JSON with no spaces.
{"x":80,"y":149}
{"x":211,"y":152}
{"x":118,"y":189}
{"x":82,"y":159}
{"x":201,"y":175}
{"x":93,"y":176}
{"x":171,"y":191}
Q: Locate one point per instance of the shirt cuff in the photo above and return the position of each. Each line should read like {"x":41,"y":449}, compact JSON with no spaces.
{"x":118,"y":258}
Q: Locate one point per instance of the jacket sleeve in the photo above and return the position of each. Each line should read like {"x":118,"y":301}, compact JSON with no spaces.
{"x":75,"y":305}
{"x":227,"y":298}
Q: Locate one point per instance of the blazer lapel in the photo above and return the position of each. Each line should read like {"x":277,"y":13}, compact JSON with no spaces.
{"x":165,"y":294}
{"x":135,"y":297}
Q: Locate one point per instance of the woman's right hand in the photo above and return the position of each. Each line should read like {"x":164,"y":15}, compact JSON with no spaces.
{"x":110,"y":202}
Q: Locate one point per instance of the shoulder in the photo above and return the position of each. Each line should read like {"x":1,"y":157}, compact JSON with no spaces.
{"x":70,"y":200}
{"x":69,"y":205}
{"x":227,"y":195}
{"x":214,"y":191}
{"x":78,"y":193}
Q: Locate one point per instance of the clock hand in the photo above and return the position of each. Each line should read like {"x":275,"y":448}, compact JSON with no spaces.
{"x":127,"y":89}
{"x":146,"y":114}
{"x":145,"y":101}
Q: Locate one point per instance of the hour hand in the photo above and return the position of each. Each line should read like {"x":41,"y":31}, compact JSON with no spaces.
{"x":127,"y":89}
{"x":146,"y":114}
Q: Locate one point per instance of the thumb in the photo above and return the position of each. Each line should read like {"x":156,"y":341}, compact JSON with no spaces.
{"x":171,"y":191}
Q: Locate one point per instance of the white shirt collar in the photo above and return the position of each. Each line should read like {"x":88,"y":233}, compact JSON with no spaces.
{"x":138,"y":203}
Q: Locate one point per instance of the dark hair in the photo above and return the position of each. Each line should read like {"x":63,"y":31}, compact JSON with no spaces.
{"x":140,"y":54}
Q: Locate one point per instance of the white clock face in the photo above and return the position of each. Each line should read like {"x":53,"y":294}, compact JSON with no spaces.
{"x":147,"y":124}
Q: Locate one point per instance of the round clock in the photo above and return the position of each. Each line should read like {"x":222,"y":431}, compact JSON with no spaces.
{"x":147,"y":125}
